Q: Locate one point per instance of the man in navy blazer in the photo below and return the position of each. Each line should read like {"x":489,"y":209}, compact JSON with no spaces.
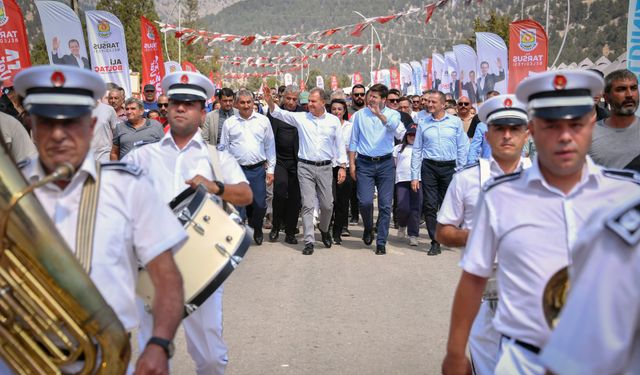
{"x":73,"y":59}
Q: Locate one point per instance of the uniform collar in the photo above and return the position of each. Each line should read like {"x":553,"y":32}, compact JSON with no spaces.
{"x":495,"y":167}
{"x":590,"y":171}
{"x":35,"y":172}
{"x":196,"y":141}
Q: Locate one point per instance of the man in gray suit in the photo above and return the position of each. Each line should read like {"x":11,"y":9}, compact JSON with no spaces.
{"x":212,"y":126}
{"x":73,"y":59}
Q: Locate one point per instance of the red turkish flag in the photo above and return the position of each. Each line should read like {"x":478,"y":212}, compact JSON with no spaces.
{"x":357,"y":31}
{"x":385,"y":19}
{"x":152,"y":62}
{"x":14,"y":46}
{"x":247,"y":40}
{"x":430,"y":8}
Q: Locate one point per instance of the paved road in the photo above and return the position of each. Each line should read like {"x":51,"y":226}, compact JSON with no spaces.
{"x":342,"y":310}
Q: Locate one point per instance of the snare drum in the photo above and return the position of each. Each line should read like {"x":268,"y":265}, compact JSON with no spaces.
{"x":216,"y":245}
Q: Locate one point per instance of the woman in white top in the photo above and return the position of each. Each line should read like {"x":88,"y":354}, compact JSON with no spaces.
{"x":409,"y":202}
{"x":341,"y":192}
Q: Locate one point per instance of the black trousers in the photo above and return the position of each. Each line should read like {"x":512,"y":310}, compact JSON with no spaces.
{"x":286,"y":197}
{"x":353,"y":200}
{"x":341,"y":197}
{"x":436,"y":176}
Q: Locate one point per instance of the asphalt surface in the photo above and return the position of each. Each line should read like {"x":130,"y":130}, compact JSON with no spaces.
{"x":342,"y":310}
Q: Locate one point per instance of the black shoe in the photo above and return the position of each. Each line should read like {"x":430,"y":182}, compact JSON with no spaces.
{"x":380,"y":250}
{"x":367,"y":237}
{"x":353,"y":221}
{"x":434,"y":250}
{"x":346,"y":232}
{"x":290,"y":239}
{"x":297,"y":230}
{"x":274,"y":234}
{"x":257,"y":236}
{"x":308,"y":249}
{"x":337,"y":239}
{"x":326,"y":239}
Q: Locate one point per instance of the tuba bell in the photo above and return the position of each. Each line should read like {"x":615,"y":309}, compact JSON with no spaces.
{"x":555,"y":295}
{"x":53,"y":320}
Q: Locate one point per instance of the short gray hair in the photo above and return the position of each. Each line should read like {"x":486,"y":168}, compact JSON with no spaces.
{"x":618,"y":75}
{"x":244,"y":92}
{"x":291,"y":89}
{"x":320,"y":92}
{"x":135,"y":101}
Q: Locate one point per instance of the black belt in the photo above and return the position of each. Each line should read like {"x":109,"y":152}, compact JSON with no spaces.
{"x":530,"y":347}
{"x":316,"y":163}
{"x":375,"y":158}
{"x":254,"y":166}
{"x":441,"y":163}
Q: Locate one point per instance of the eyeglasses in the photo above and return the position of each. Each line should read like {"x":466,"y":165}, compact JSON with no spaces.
{"x":415,"y":101}
{"x":394,"y":100}
{"x":464,"y":104}
{"x":356,"y":94}
{"x":163,"y":105}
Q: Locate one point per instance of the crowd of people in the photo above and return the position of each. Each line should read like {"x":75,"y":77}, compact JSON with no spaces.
{"x":495,"y":178}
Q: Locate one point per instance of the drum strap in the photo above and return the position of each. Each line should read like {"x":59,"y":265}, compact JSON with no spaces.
{"x":87,"y":219}
{"x":215,"y":162}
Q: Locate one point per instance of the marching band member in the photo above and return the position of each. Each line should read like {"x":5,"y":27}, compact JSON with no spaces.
{"x":550,"y":201}
{"x":507,"y":133}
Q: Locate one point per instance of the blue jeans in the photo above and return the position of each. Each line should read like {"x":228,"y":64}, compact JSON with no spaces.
{"x":254,"y":213}
{"x":379,"y":174}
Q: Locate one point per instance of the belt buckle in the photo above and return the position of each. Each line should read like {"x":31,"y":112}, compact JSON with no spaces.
{"x":375,"y":158}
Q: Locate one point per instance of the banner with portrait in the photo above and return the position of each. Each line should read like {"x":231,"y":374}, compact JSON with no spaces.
{"x":394,"y":77}
{"x":334,"y":83}
{"x":493,"y":74}
{"x":427,"y":83}
{"x":406,"y":79}
{"x":14,"y":45}
{"x":467,"y":65}
{"x":528,"y":52}
{"x":152,"y":61}
{"x":417,"y":77}
{"x":320,"y":82}
{"x":356,"y":79}
{"x":437,"y":69}
{"x":63,"y":34}
{"x":451,"y":74}
{"x":108,"y":48}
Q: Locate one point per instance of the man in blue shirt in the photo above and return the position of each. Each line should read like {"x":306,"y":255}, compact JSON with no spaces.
{"x":479,"y":147}
{"x":374,"y":129}
{"x":441,"y":145}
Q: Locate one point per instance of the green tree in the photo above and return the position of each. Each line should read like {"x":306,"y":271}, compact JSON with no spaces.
{"x":497,"y":24}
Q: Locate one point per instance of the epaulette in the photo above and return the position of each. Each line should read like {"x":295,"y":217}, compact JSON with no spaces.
{"x":144,"y":143}
{"x":121,"y":166}
{"x":468,"y":166}
{"x":500,"y":179}
{"x":625,"y":222}
{"x":622,"y":174}
{"x":23,"y":163}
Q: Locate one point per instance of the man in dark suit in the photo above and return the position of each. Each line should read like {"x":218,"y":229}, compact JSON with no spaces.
{"x":470,"y":86}
{"x":455,"y":85}
{"x":73,"y":59}
{"x":487,"y":81}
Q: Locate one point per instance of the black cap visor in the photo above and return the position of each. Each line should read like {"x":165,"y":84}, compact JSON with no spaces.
{"x":561,"y":113}
{"x":59,"y":112}
{"x":186,"y":98}
{"x":511,"y":121}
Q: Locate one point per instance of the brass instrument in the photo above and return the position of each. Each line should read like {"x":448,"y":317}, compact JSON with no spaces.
{"x":555,"y":295}
{"x":53,"y":320}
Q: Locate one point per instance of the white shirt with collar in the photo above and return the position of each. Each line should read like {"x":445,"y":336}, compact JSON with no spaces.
{"x":250,"y":140}
{"x":169,"y":167}
{"x":320,"y":137}
{"x":131,"y":227}
{"x":459,"y":204}
{"x":531,"y":226}
{"x":345,"y":129}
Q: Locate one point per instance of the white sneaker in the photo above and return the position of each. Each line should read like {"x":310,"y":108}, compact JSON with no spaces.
{"x":402,"y":232}
{"x":413,"y":241}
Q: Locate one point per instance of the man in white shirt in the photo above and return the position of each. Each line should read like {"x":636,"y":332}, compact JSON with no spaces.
{"x":106,"y":122}
{"x":179,"y":160}
{"x":507,"y":119}
{"x":599,"y":330}
{"x":249,"y":138}
{"x":127,"y":216}
{"x":320,"y":143}
{"x":558,"y":193}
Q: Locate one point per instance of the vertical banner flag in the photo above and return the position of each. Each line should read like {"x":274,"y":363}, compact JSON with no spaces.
{"x":528,"y":51}
{"x":172,"y":67}
{"x":395,"y":78}
{"x":492,"y":56}
{"x":62,"y":34}
{"x":437,"y":68}
{"x":356,"y":79}
{"x":288,"y":79}
{"x":633,"y":37}
{"x":417,"y":77}
{"x":334,"y":83}
{"x":108,"y":48}
{"x":406,"y":78}
{"x":14,"y":46}
{"x":452,"y":74}
{"x":303,"y":86}
{"x":384,"y":77}
{"x":152,"y":62}
{"x":320,"y":82}
{"x":467,"y":64}
{"x":189,"y":67}
{"x":427,"y":83}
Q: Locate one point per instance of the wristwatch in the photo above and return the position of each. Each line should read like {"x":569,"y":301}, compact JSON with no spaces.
{"x":220,"y":187}
{"x":167,"y":345}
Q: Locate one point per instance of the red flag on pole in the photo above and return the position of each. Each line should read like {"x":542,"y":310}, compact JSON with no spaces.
{"x":189,"y":67}
{"x":152,"y":62}
{"x":14,"y":46}
{"x":357,"y":31}
{"x":430,"y":8}
{"x":528,"y":52}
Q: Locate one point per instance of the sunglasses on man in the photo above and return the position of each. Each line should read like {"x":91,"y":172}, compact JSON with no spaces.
{"x":463,"y":104}
{"x":358,"y":94}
